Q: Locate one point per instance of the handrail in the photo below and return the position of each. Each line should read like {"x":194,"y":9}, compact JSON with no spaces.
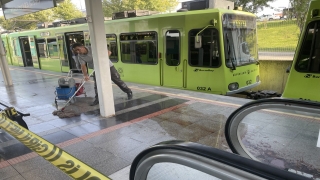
{"x":161,"y":72}
{"x":184,"y":74}
{"x":209,"y":160}
{"x":237,"y":116}
{"x":244,"y":139}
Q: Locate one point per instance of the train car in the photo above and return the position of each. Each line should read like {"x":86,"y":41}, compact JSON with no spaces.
{"x":304,"y":78}
{"x":212,"y":50}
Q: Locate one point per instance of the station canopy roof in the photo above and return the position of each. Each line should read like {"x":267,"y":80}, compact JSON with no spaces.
{"x":15,"y":8}
{"x":6,"y":1}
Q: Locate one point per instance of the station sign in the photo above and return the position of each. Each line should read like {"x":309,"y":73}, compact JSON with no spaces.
{"x":44,"y":34}
{"x":16,"y":8}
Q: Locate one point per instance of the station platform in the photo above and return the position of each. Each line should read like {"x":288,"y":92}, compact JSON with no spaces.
{"x":109,"y":145}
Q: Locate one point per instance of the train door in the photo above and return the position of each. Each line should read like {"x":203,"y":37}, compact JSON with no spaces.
{"x":25,"y":51}
{"x":71,"y":38}
{"x":63,"y":57}
{"x":112,"y":41}
{"x":34,"y":52}
{"x":87,"y":43}
{"x":172,"y":68}
{"x":17,"y":52}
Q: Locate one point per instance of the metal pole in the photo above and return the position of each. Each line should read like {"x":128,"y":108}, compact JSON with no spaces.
{"x":4,"y":66}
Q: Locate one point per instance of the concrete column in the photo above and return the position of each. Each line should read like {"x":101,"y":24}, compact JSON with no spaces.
{"x":211,"y":4}
{"x":225,"y":4}
{"x":4,"y":66}
{"x":95,"y":20}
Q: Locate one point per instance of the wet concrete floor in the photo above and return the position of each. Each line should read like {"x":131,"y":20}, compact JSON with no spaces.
{"x":155,"y":114}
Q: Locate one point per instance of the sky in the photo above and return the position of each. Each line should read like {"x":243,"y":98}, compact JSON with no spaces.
{"x":278,"y":3}
{"x":79,"y":3}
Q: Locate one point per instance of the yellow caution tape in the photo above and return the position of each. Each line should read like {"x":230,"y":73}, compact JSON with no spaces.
{"x":56,"y":156}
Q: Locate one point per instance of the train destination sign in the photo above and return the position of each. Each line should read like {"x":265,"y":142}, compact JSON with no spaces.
{"x":16,"y":8}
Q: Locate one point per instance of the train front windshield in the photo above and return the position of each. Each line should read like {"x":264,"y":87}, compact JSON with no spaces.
{"x":240,"y":40}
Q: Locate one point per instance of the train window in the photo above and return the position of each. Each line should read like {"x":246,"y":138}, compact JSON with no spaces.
{"x":63,"y":52}
{"x":16,"y":47}
{"x":42,"y":49}
{"x":240,"y":40}
{"x":208,"y":55}
{"x":139,"y":48}
{"x":112,"y":41}
{"x":152,"y":51}
{"x":125,"y":48}
{"x":53,"y":48}
{"x":86,"y":40}
{"x":172,"y":47}
{"x":309,"y":55}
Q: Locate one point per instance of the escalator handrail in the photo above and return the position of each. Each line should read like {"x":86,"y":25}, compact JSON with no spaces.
{"x":233,"y":160}
{"x":285,"y":101}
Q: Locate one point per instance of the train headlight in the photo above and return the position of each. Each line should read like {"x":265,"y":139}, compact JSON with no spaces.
{"x":258,"y":78}
{"x":233,"y":86}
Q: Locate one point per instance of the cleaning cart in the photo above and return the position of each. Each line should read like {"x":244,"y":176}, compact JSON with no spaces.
{"x":68,"y":89}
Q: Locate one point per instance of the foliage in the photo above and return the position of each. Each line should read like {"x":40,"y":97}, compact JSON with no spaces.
{"x":66,"y":10}
{"x":252,"y":6}
{"x":63,"y":11}
{"x":27,"y":21}
{"x":112,"y":6}
{"x":300,"y":9}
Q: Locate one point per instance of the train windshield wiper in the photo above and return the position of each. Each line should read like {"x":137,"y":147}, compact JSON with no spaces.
{"x":229,"y":49}
{"x":254,"y":60}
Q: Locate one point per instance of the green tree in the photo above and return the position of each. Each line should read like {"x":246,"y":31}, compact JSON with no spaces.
{"x":66,"y":10}
{"x":112,"y":6}
{"x":300,"y":10}
{"x":252,"y":6}
{"x":28,"y":21}
{"x":63,"y":11}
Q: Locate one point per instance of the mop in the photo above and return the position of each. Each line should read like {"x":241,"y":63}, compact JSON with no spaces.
{"x":62,"y":113}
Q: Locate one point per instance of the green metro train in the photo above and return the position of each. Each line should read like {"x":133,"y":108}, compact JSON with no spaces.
{"x":212,"y":50}
{"x":304,"y":78}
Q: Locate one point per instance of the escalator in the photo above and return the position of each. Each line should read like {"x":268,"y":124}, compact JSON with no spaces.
{"x":174,"y":160}
{"x":278,"y":132}
{"x":270,"y":139}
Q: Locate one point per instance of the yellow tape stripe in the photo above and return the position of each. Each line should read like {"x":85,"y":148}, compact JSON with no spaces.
{"x":56,"y":156}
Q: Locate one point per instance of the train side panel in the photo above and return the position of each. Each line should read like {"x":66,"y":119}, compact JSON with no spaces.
{"x":4,"y":38}
{"x":203,"y":74}
{"x":135,"y":72}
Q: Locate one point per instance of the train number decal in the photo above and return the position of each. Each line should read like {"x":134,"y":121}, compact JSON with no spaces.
{"x":203,"y":88}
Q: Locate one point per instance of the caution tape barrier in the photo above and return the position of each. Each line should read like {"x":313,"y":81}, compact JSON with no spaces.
{"x":56,"y":156}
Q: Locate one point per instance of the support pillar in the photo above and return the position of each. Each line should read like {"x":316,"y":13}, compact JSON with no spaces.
{"x":98,"y":41}
{"x":4,"y":66}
